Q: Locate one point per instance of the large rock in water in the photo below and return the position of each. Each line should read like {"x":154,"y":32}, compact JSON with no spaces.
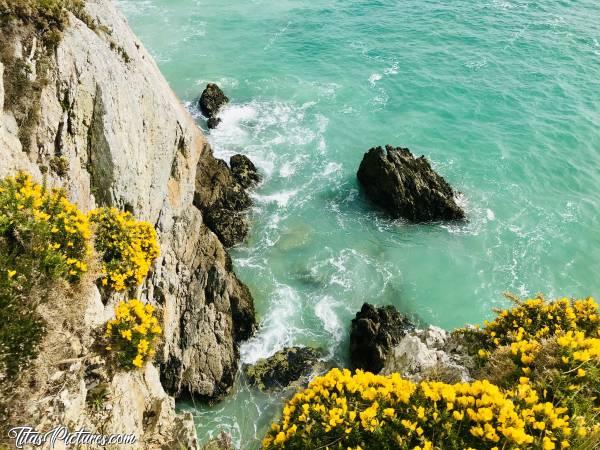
{"x":374,"y":332}
{"x":285,"y":367}
{"x":406,"y":186}
{"x":211,"y":100}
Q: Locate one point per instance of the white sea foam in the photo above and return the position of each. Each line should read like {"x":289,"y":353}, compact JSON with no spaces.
{"x":276,"y":329}
{"x":280,"y":198}
{"x":374,"y":78}
{"x":325,"y":311}
{"x":330,"y":168}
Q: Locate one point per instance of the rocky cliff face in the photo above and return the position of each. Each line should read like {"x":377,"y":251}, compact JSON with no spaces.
{"x":112,"y":132}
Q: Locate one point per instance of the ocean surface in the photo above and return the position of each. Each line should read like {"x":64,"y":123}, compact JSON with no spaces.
{"x":502,"y":96}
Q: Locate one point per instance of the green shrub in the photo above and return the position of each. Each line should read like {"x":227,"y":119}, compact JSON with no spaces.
{"x":43,"y":237}
{"x":538,"y":388}
{"x":128,"y":247}
{"x":133,"y":333}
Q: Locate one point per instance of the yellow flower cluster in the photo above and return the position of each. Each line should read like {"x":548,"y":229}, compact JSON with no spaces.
{"x":536,"y":319}
{"x":49,"y":228}
{"x":558,"y":345}
{"x":133,"y":333}
{"x":367,"y":411}
{"x":128,"y":247}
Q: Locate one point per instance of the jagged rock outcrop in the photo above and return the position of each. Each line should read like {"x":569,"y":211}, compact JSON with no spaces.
{"x":125,"y":140}
{"x":374,"y":332}
{"x":432,"y":353}
{"x":244,"y":171}
{"x":287,"y":366}
{"x":224,"y":201}
{"x":406,"y":186}
{"x":211,"y":100}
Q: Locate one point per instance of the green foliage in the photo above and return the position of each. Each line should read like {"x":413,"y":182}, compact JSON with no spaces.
{"x":133,"y":333}
{"x":128,"y":247}
{"x":43,"y":237}
{"x":45,"y":15}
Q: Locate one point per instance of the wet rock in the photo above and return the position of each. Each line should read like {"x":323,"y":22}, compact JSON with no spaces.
{"x":244,"y":171}
{"x":406,"y":186}
{"x":213,"y":122}
{"x":225,"y":199}
{"x":211,"y":100}
{"x":285,"y":367}
{"x":431,"y":354}
{"x":374,"y":332}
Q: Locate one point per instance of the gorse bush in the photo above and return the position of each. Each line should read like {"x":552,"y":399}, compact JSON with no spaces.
{"x":128,"y":247}
{"x":556,"y":345}
{"x":536,"y":319}
{"x":41,"y":230}
{"x":538,"y":387}
{"x":43,"y":238}
{"x":341,"y":411}
{"x":133,"y":333}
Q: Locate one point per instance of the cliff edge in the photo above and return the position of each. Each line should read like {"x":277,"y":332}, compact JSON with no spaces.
{"x":108,"y":129}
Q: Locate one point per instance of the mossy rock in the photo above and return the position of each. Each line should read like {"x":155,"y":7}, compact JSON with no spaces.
{"x":285,"y":367}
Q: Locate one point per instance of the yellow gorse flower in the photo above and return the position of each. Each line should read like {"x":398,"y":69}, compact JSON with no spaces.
{"x":50,"y":227}
{"x":362,"y":410}
{"x":133,"y":333}
{"x":128,"y":247}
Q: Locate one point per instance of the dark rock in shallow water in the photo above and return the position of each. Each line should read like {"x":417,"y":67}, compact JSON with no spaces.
{"x":285,"y":367}
{"x":406,"y":186}
{"x":211,"y":100}
{"x":244,"y":171}
{"x":222,"y":201}
{"x":374,"y":332}
{"x":213,"y":122}
{"x":231,"y":227}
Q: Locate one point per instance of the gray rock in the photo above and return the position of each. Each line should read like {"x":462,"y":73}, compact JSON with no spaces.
{"x":224,"y":201}
{"x":213,"y":122}
{"x":430,"y":354}
{"x":406,"y":186}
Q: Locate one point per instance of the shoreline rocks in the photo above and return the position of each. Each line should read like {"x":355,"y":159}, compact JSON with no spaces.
{"x":407,"y":187}
{"x":289,"y":366}
{"x":374,"y":332}
{"x":224,"y":202}
{"x":432,"y":353}
{"x":210,"y":102}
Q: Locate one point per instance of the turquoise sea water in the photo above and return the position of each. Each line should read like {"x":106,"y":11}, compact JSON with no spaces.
{"x":502,"y":96}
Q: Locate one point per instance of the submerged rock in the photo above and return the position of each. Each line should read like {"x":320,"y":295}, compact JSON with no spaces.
{"x":211,"y":100}
{"x":244,"y":171}
{"x":374,"y":332}
{"x":285,"y":367}
{"x":432,"y":353}
{"x":406,"y":186}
